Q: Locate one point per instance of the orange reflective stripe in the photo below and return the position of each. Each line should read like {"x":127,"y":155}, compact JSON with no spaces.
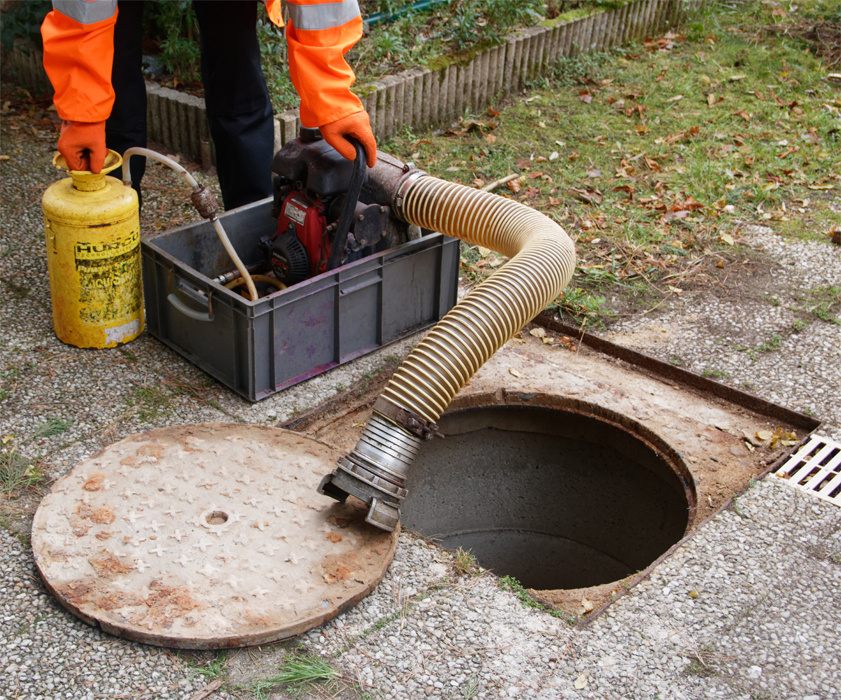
{"x":78,"y":59}
{"x":320,"y":73}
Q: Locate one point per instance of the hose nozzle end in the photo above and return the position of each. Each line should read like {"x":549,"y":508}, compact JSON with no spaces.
{"x":328,"y":488}
{"x":383,"y":515}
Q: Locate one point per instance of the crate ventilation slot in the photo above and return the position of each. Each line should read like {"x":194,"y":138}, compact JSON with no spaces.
{"x":816,"y":468}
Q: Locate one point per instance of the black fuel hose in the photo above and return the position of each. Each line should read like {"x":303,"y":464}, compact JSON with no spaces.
{"x":357,"y":179}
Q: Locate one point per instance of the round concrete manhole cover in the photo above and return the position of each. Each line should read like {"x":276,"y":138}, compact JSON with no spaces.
{"x":206,"y":536}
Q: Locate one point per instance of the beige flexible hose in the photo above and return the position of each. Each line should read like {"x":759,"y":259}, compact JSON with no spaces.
{"x":220,"y":230}
{"x":542,"y":260}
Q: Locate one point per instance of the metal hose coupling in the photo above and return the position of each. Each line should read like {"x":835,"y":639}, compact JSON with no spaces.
{"x":542,"y":260}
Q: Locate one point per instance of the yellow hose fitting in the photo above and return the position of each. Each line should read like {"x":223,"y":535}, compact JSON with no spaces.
{"x":542,"y":260}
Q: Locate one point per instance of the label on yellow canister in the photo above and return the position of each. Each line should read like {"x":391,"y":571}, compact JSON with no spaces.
{"x":107,"y":271}
{"x":93,"y":258}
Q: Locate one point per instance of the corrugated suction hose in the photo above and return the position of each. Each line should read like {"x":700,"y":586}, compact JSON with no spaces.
{"x":542,"y":260}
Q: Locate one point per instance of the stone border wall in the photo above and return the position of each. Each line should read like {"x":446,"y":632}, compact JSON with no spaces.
{"x":420,"y":97}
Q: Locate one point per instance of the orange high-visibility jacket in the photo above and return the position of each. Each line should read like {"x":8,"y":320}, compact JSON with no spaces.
{"x":79,"y":50}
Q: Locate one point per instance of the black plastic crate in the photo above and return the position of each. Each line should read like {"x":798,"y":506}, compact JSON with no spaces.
{"x":260,"y":347}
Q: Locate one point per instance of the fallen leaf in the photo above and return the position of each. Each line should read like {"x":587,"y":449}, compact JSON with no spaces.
{"x":4,"y":157}
{"x":588,"y":196}
{"x":548,"y":341}
{"x":516,"y":373}
{"x":675,"y":98}
{"x":554,"y":155}
{"x":711,"y":99}
{"x":587,"y":604}
{"x":537,"y":332}
{"x":493,"y":112}
{"x":453,"y":169}
{"x":490,"y":138}
{"x":742,"y":114}
{"x":581,"y":682}
{"x":676,"y":290}
{"x":693,"y":593}
{"x":726,"y":238}
{"x":514,"y":185}
{"x":625,"y":188}
{"x":6,"y":440}
{"x":764,"y":435}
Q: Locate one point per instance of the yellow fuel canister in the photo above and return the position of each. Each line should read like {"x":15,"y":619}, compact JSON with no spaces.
{"x":92,"y":223}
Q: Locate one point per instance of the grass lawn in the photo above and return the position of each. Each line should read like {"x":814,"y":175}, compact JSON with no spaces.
{"x":654,"y":156}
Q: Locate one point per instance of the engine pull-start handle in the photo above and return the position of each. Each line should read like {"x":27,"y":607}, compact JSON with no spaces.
{"x":346,"y":219}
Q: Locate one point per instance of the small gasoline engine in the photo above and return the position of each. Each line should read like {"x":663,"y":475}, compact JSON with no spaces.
{"x":323,"y":220}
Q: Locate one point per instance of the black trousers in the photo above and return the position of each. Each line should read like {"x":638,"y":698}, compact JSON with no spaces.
{"x":238,"y":106}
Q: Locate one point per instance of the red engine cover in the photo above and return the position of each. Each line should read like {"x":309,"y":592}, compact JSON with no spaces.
{"x":307,"y":216}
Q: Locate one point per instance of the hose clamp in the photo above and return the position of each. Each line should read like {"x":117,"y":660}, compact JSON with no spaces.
{"x":406,"y":419}
{"x":204,"y":202}
{"x":403,"y":188}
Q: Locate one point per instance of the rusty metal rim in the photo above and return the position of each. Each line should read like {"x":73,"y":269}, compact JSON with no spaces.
{"x":683,"y":376}
{"x":668,"y":454}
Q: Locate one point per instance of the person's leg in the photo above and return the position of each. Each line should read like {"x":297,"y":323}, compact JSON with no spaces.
{"x":238,"y":104}
{"x":126,"y":127}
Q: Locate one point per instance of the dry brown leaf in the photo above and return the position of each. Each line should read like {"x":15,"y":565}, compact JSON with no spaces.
{"x":516,"y":373}
{"x":581,"y":682}
{"x":537,"y":332}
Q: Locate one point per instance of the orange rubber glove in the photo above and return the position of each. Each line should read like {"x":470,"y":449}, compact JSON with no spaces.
{"x":359,"y":127}
{"x":83,"y":145}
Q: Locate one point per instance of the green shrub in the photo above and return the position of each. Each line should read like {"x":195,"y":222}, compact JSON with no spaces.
{"x":24,"y":20}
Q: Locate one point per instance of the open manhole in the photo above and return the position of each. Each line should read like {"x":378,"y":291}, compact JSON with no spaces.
{"x":559,"y":497}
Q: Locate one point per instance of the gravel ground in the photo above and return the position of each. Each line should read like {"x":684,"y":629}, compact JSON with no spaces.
{"x":766,"y":571}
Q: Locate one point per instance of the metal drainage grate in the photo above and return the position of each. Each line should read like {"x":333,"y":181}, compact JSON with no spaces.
{"x":816,"y":468}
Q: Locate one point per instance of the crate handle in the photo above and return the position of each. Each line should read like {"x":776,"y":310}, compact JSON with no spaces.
{"x":193,"y":294}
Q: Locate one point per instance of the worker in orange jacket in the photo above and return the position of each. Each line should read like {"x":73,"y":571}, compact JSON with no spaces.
{"x":92,"y":55}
